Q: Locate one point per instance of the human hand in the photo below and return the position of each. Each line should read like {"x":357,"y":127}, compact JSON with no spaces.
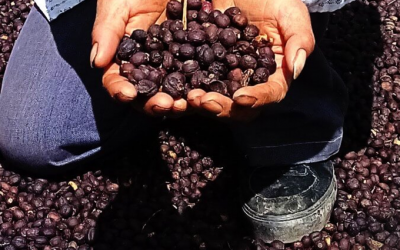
{"x":288,"y":24}
{"x":115,"y":19}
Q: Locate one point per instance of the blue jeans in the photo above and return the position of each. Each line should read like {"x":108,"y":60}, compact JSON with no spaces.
{"x":56,"y":114}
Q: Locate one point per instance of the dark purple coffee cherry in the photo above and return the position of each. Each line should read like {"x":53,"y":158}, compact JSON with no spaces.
{"x":203,"y":16}
{"x":205,"y":55}
{"x":156,"y":58}
{"x":217,"y":68}
{"x":139,"y":58}
{"x":154,"y":31}
{"x":250,"y":32}
{"x":190,"y":67}
{"x":248,"y":62}
{"x":235,"y":75}
{"x":198,"y":78}
{"x":267,"y":62}
{"x":146,"y":88}
{"x":213,"y":15}
{"x":227,"y":37}
{"x":176,"y":25}
{"x":174,"y":48}
{"x":194,"y":4}
{"x":222,"y":21}
{"x":126,"y":69}
{"x":174,"y":9}
{"x":165,"y":25}
{"x":192,"y":15}
{"x":166,"y":36}
{"x":218,"y":86}
{"x":136,"y":76}
{"x":180,"y":36}
{"x":187,"y":51}
{"x":232,"y":11}
{"x":174,"y":84}
{"x":196,"y":37}
{"x":212,"y":33}
{"x":177,"y":65}
{"x":240,"y":21}
{"x":260,"y":75}
{"x":168,"y":60}
{"x":232,"y":86}
{"x":193,"y":25}
{"x":219,"y":51}
{"x":232,"y":60}
{"x":126,"y":49}
{"x":153,"y":44}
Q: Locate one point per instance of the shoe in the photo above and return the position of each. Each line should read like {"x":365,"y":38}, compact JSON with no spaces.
{"x":287,"y":203}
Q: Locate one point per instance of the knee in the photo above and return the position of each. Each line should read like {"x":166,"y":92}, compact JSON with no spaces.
{"x":32,"y":151}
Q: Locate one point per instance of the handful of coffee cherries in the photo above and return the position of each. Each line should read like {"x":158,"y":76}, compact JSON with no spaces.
{"x":197,"y":47}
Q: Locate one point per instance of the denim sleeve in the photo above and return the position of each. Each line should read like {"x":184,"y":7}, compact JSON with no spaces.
{"x":51,"y":9}
{"x":325,"y":5}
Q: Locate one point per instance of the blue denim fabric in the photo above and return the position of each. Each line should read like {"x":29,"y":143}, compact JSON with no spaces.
{"x":55,"y":112}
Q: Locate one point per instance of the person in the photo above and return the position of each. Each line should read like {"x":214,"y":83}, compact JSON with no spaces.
{"x":59,"y":109}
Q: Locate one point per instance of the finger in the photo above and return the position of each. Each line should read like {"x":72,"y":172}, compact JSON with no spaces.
{"x":194,"y":97}
{"x":217,"y":104}
{"x":108,"y":30}
{"x":118,"y":86}
{"x":179,"y":106}
{"x":272,"y":91}
{"x":298,"y":36}
{"x":159,"y":104}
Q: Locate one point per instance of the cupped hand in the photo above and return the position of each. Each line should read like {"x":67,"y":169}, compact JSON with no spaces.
{"x":118,"y":18}
{"x":287,"y":23}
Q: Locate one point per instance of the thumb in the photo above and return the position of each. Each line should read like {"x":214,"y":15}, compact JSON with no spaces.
{"x":108,"y":30}
{"x":298,"y":36}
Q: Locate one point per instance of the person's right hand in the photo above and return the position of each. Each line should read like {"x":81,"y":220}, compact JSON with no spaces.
{"x":114,"y":19}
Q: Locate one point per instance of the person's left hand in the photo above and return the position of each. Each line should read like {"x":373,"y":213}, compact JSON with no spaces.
{"x":287,"y":23}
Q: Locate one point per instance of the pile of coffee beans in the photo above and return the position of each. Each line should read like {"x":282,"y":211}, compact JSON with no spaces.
{"x":127,"y":205}
{"x":13,"y":15}
{"x":215,"y":51}
{"x":189,"y":169}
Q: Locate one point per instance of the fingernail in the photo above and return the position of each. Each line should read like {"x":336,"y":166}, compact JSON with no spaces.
{"x":299,"y":62}
{"x":212,"y":106}
{"x":245,"y":100}
{"x":158,"y":109}
{"x":93,"y":54}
